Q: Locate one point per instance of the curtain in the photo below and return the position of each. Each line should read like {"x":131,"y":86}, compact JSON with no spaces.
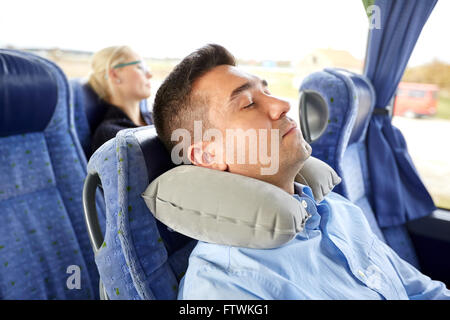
{"x":398,"y":192}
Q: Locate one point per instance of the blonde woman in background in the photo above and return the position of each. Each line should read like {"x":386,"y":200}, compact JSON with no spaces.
{"x":121,"y":79}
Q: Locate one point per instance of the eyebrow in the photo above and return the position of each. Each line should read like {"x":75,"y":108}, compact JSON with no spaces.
{"x":246,"y":86}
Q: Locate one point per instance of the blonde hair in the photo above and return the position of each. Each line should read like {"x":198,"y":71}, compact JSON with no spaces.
{"x":101,"y":63}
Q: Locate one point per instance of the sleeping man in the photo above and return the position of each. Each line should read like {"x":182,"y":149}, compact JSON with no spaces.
{"x":335,"y":256}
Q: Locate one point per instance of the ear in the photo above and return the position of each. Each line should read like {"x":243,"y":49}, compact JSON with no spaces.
{"x":112,"y":74}
{"x":203,"y":154}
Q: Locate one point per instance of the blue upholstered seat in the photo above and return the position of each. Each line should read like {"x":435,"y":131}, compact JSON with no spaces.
{"x":89,"y":112}
{"x":42,"y":170}
{"x":140,"y":258}
{"x":351,"y":99}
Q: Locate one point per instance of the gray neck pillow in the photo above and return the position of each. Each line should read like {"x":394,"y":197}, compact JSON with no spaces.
{"x":230,"y":209}
{"x":319,"y":176}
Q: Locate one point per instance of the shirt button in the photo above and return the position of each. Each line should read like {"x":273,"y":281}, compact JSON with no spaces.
{"x":304,"y":204}
{"x":306,"y":218}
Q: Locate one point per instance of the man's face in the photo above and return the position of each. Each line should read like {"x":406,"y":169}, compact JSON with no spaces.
{"x":238,"y":100}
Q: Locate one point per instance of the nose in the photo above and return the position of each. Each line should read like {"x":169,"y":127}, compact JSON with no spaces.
{"x":148,"y":74}
{"x":278,"y":108}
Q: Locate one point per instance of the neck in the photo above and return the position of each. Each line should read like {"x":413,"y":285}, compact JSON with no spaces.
{"x":286,"y":181}
{"x":130,"y":108}
{"x":287,"y":185}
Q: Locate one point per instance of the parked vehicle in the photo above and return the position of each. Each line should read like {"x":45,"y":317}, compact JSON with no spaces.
{"x":416,"y":99}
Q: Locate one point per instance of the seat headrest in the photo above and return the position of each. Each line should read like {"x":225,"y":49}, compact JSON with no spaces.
{"x":366,"y":97}
{"x":363,"y":96}
{"x":346,"y":98}
{"x":157,"y":161}
{"x":143,"y":248}
{"x":350,"y":99}
{"x":157,"y":158}
{"x":93,"y":109}
{"x":28,"y":92}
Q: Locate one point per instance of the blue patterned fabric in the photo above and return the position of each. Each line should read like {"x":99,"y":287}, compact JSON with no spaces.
{"x":80,"y":93}
{"x":351,"y":100}
{"x":340,"y":95}
{"x":114,"y":274}
{"x":140,"y":258}
{"x":43,"y":230}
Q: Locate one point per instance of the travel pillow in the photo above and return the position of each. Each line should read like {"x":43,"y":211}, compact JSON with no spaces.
{"x":231,"y":209}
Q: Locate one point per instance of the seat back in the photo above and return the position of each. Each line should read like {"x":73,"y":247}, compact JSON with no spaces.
{"x":140,"y":258}
{"x":89,"y":112}
{"x":43,"y":238}
{"x":351,"y":99}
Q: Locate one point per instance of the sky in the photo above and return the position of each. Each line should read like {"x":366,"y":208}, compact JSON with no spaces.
{"x":260,"y":30}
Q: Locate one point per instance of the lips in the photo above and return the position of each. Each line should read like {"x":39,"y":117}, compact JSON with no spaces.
{"x":290,"y":129}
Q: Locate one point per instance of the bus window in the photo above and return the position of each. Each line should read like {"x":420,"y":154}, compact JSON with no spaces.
{"x":422,"y":107}
{"x":417,"y":93}
{"x":289,"y":44}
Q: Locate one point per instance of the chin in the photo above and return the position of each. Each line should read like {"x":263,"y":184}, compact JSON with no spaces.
{"x":144,"y":96}
{"x":302,"y":148}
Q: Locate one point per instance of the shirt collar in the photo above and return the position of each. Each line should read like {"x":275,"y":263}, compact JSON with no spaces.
{"x":306,"y":199}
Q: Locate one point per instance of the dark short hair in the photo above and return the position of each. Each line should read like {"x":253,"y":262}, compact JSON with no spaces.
{"x":175,"y":106}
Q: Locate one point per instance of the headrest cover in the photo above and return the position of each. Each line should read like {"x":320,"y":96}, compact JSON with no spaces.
{"x":364,"y":97}
{"x":28,"y":93}
{"x":224,"y":208}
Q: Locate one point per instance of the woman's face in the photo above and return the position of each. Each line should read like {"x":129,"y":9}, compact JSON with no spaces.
{"x":133,"y":81}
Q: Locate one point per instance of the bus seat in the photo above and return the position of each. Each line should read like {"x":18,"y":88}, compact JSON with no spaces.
{"x":88,"y":112}
{"x":351,"y":99}
{"x":139,"y":257}
{"x":43,"y":239}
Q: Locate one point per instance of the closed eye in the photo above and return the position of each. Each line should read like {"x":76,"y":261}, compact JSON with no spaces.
{"x":248,"y":106}
{"x":143,"y":67}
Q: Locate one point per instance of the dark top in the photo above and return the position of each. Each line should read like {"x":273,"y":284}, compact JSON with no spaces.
{"x":113,"y":121}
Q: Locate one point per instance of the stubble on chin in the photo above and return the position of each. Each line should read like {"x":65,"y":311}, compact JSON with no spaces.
{"x":304,"y":151}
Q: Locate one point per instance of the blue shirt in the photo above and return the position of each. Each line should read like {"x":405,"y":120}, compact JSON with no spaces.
{"x":336,"y":256}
